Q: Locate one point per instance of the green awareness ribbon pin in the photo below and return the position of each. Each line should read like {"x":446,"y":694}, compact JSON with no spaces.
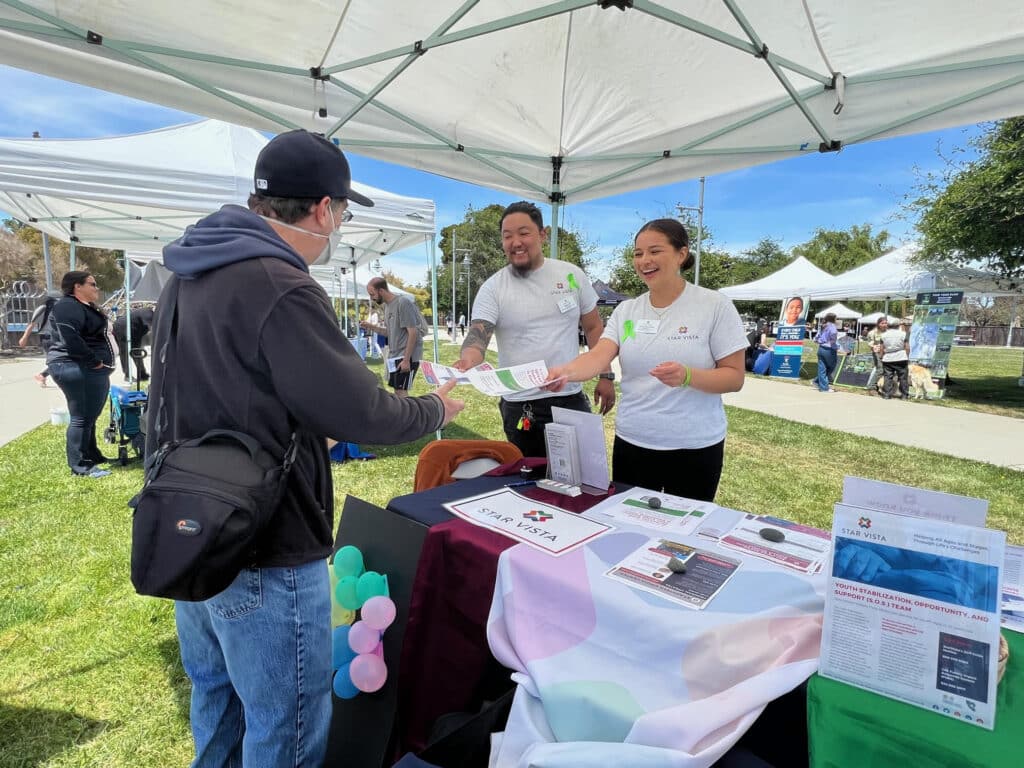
{"x":627,"y":330}
{"x":572,"y":282}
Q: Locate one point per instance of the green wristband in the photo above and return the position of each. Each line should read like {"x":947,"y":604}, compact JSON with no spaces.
{"x":686,"y":380}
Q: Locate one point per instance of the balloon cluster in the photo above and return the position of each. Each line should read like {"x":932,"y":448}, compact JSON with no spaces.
{"x":358,"y":655}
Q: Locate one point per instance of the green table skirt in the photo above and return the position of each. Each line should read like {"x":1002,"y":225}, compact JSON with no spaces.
{"x":849,"y":727}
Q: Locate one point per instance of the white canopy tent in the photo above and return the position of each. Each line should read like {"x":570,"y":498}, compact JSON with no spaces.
{"x":874,"y":317}
{"x":895,"y":275}
{"x":139,"y":192}
{"x":786,"y":282}
{"x":557,"y":100}
{"x":841,"y":311}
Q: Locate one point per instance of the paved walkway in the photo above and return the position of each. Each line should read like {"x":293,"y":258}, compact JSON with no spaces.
{"x":999,"y":440}
{"x":24,"y":405}
{"x":965,"y":434}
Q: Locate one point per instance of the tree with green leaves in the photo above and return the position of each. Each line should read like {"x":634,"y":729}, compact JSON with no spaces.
{"x":973,"y":211}
{"x":104,"y":265}
{"x":837,"y":251}
{"x":477,"y":239}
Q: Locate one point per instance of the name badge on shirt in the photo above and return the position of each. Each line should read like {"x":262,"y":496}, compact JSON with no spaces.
{"x":567,"y":304}
{"x":647,"y":326}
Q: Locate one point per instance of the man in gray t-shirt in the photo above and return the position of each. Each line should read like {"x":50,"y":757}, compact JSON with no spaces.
{"x":533,"y":307}
{"x":403,"y":325}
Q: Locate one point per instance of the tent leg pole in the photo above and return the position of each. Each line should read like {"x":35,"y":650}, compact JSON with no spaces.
{"x":555,"y":207}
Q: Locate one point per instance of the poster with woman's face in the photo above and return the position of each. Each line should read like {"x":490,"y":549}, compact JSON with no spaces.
{"x":794,"y":311}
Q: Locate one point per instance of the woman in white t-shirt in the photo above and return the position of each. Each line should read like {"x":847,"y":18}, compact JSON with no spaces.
{"x":680,"y":347}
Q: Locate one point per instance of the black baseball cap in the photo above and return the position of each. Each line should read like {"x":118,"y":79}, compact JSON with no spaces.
{"x":303,"y":164}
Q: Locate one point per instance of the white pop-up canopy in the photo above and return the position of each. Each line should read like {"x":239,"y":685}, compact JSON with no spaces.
{"x":557,"y":100}
{"x":841,"y":311}
{"x":874,"y":317}
{"x":896,"y":275}
{"x":786,"y":282}
{"x":139,"y":192}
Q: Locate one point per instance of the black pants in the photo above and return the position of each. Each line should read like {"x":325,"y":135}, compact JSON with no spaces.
{"x":86,"y":392}
{"x":122,"y":351}
{"x":895,"y":370}
{"x":531,"y":441}
{"x":689,"y":472}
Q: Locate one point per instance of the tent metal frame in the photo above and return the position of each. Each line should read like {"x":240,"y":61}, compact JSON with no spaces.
{"x":62,"y":31}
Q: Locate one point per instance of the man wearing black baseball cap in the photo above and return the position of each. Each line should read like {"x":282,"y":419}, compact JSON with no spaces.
{"x":258,"y":350}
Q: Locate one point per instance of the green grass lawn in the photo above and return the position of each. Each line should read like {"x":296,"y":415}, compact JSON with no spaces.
{"x":90,"y":673}
{"x":980,"y":379}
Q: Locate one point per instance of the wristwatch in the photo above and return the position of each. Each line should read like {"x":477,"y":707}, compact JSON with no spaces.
{"x":610,"y":376}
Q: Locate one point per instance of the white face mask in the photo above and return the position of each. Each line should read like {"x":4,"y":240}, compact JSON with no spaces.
{"x":333,"y":239}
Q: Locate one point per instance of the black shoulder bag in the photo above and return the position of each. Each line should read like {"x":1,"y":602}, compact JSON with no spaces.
{"x":204,"y":503}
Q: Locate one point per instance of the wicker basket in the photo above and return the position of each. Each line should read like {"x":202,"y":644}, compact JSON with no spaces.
{"x":1004,"y":656}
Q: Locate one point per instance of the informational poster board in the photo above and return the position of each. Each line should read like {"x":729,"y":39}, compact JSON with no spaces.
{"x":856,"y":371}
{"x":912,"y":611}
{"x":931,"y":336}
{"x":788,"y":351}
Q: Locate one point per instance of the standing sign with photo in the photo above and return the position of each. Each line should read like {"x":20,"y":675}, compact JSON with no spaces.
{"x":789,"y":337}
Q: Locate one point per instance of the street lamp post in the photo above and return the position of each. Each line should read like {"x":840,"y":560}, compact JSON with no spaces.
{"x":455,"y":272}
{"x":469,"y":297}
{"x":700,"y":230}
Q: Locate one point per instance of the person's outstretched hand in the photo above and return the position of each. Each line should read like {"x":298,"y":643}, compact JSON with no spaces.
{"x":556,"y":380}
{"x":452,"y":408}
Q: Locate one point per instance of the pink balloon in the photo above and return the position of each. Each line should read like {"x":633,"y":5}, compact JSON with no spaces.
{"x":362,"y":638}
{"x":378,"y":612}
{"x":379,"y":650}
{"x":369,"y":672}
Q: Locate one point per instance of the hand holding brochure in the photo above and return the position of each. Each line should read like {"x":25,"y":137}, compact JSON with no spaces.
{"x":517,"y":379}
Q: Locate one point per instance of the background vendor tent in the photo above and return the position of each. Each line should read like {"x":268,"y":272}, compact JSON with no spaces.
{"x":788,"y":281}
{"x":563,"y":100}
{"x":149,"y":286}
{"x":139,"y":192}
{"x":896,"y":275}
{"x":841,"y":311}
{"x":874,"y":317}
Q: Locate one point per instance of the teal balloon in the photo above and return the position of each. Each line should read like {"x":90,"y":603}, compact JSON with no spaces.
{"x":371,"y":584}
{"x":344,"y":688}
{"x":341,"y":651}
{"x":346,"y":593}
{"x":348,"y":561}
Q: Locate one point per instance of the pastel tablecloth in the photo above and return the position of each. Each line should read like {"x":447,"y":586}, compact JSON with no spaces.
{"x":614,"y":676}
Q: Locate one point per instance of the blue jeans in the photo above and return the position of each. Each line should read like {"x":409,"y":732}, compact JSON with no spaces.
{"x":827,"y":359}
{"x":86,"y":392}
{"x":259,"y":658}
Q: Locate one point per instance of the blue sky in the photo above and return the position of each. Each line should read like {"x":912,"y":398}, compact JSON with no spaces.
{"x":786,"y":201}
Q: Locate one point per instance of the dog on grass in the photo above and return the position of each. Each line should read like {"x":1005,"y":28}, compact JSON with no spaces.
{"x":921,"y":382}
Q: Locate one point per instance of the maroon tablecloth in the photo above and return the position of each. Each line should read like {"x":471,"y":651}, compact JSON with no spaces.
{"x":446,"y":664}
{"x":445,"y":658}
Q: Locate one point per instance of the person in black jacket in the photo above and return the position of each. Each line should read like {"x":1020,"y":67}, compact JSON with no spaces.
{"x":142,"y":321}
{"x":258,"y":350}
{"x":80,"y":360}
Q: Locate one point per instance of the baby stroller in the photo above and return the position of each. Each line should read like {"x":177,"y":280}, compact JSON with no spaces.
{"x":127,"y":418}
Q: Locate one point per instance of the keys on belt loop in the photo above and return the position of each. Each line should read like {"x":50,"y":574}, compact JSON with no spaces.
{"x":526,"y":420}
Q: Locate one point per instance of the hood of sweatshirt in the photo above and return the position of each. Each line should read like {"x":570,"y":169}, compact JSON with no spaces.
{"x":230,"y":235}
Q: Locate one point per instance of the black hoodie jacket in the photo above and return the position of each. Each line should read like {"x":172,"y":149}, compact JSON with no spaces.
{"x":259,"y":350}
{"x":78,"y":332}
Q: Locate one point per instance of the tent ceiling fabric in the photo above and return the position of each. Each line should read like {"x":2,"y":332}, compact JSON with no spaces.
{"x":565,"y":100}
{"x":140,"y":191}
{"x":896,"y":275}
{"x":779,"y":285}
